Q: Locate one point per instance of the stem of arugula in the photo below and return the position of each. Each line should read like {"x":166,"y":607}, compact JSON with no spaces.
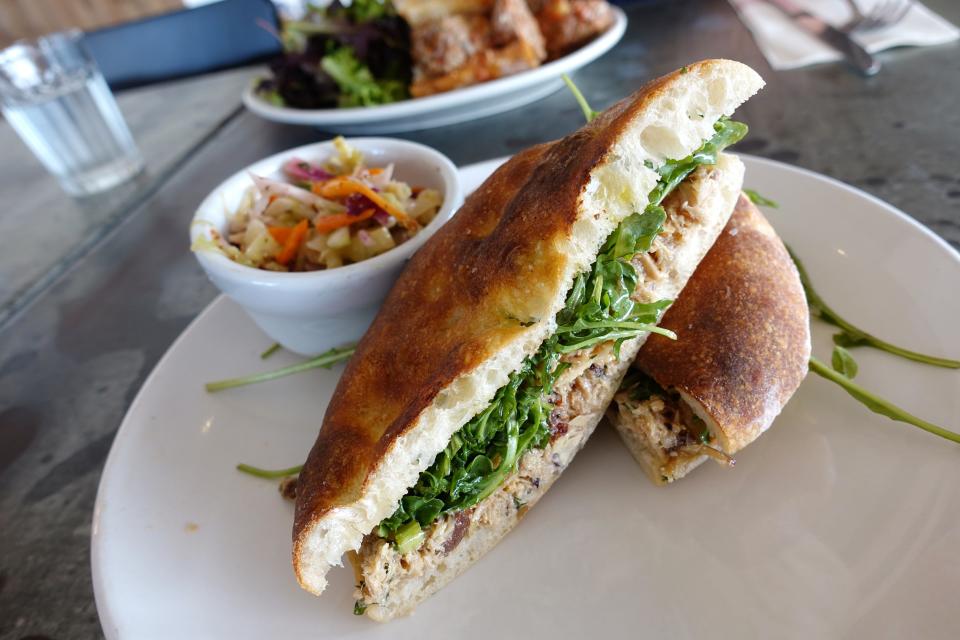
{"x":272,"y":349}
{"x":878,"y":404}
{"x":269,"y":474}
{"x":325,"y":360}
{"x":588,"y":112}
{"x":856,"y":335}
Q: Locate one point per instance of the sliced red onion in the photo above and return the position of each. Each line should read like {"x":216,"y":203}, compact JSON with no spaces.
{"x":301,"y":170}
{"x":364,"y":238}
{"x":357,"y":203}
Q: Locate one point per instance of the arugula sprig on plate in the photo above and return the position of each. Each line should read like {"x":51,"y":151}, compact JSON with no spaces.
{"x":853,"y":336}
{"x":844,"y":368}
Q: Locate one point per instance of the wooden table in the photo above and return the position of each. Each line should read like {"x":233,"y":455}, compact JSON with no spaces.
{"x":73,"y":358}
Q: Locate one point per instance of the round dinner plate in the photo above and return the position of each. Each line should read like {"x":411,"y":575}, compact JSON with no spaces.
{"x":450,"y":107}
{"x":836,"y":523}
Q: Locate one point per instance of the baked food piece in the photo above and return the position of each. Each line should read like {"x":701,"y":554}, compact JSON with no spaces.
{"x":471,"y":43}
{"x":743,"y":345}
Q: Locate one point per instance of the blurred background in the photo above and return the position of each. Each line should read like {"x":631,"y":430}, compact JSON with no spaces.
{"x":32,"y":18}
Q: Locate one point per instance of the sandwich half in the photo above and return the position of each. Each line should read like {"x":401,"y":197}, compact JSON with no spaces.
{"x":504,"y":340}
{"x":743,"y":348}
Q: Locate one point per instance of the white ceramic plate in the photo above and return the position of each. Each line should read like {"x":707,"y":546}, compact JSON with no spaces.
{"x":837,"y":523}
{"x":459,"y":105}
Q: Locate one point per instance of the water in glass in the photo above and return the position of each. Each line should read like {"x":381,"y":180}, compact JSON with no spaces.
{"x":60,"y":105}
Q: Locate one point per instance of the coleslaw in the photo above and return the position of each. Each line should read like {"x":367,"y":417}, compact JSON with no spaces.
{"x":323,"y":215}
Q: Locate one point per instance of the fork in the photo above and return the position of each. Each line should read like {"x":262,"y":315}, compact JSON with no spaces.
{"x":885,"y":14}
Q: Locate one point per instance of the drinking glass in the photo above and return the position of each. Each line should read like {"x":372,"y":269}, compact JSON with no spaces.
{"x":55,"y":98}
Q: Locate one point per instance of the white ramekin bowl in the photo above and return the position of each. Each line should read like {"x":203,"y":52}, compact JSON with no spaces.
{"x":309,"y":313}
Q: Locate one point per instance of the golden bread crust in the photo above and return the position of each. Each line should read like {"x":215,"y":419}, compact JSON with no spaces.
{"x":743,"y":331}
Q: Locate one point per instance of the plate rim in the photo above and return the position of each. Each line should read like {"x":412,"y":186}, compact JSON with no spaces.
{"x":105,"y":606}
{"x":104,"y":611}
{"x":446,"y":100}
{"x":883,"y":204}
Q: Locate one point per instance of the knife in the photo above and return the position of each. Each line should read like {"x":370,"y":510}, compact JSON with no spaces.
{"x":837,"y":39}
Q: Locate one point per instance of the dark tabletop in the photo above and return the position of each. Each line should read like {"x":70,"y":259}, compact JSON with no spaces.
{"x":73,"y":359}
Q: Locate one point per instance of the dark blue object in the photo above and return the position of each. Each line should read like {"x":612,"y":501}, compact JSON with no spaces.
{"x":224,"y":34}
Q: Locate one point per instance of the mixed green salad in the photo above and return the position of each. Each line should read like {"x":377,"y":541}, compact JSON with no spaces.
{"x":341,"y":55}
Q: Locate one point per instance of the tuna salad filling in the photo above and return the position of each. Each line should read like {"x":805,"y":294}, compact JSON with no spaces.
{"x":671,"y":435}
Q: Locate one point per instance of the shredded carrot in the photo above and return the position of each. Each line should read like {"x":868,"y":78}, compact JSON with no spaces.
{"x":327,"y":224}
{"x":280,"y":234}
{"x":343,"y":187}
{"x":375,"y":171}
{"x":292,"y":245}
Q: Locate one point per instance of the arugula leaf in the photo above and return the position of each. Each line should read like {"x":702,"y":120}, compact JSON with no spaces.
{"x":759,"y":200}
{"x":877,"y":404}
{"x":640,"y":386}
{"x":598,"y":308}
{"x":673,"y":172}
{"x":852,"y":336}
{"x":484,"y":451}
{"x":358,"y":87}
{"x":843,"y":362}
{"x":636,"y":233}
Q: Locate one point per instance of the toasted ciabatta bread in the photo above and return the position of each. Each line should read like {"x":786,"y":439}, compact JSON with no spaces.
{"x":393,"y":584}
{"x":448,"y":336}
{"x":743,"y":345}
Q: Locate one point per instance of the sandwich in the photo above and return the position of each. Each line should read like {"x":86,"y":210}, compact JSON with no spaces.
{"x":503,"y":342}
{"x":743,"y":350}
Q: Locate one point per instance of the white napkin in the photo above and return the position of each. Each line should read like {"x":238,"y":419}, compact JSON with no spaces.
{"x":787,"y":46}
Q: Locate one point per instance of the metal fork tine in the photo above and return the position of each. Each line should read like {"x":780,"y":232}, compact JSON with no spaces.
{"x":884,"y":14}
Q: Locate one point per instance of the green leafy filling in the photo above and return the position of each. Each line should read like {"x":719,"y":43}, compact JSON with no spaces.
{"x":485,"y":451}
{"x":358,"y":87}
{"x":640,"y":386}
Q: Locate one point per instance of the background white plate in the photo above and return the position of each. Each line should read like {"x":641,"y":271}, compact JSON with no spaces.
{"x":837,"y":523}
{"x":459,"y":105}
